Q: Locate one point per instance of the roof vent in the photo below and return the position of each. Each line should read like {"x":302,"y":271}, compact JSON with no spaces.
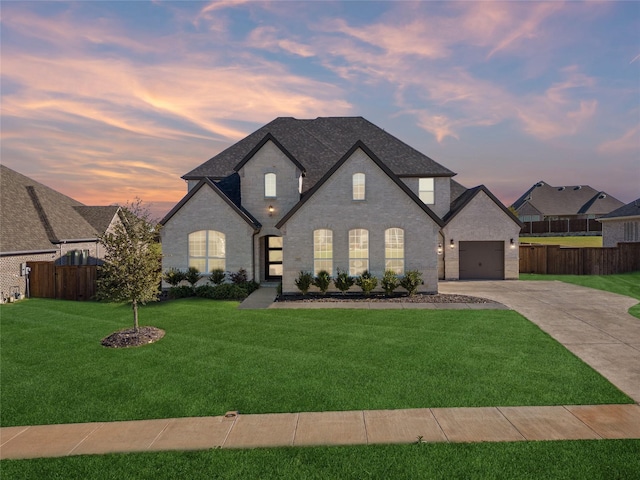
{"x":579,"y":187}
{"x":561,"y":189}
{"x":539,"y":184}
{"x":602,"y":196}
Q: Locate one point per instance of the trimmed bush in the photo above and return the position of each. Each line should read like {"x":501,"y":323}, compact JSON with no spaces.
{"x":366,"y":282}
{"x":217,"y":276}
{"x":322,"y":281}
{"x":390,"y":282}
{"x":411,"y":281}
{"x":240,"y":277}
{"x":225,"y":291}
{"x":343,"y":281}
{"x":192,"y":276}
{"x":183,"y":291}
{"x":304,"y":282}
{"x":173,"y":276}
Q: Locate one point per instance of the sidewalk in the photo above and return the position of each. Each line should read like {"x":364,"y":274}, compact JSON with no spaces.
{"x":482,"y":424}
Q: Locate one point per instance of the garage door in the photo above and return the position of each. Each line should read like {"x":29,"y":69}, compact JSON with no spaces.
{"x":482,"y":260}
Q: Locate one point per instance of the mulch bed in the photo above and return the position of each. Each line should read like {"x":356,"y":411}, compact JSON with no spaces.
{"x":129,"y":338}
{"x":350,"y":297}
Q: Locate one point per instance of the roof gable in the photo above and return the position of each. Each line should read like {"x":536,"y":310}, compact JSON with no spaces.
{"x":268,"y":138}
{"x":463,"y":200}
{"x":360,"y":145}
{"x":629,"y":210}
{"x":319,"y":144}
{"x":242,"y":213}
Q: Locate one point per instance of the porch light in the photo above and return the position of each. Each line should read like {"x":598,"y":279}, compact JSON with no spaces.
{"x":451,"y":244}
{"x":439,"y":249}
{"x":270,"y":208}
{"x":513,"y":243}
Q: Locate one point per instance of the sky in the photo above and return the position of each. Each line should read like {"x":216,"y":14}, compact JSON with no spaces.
{"x":109,"y":101}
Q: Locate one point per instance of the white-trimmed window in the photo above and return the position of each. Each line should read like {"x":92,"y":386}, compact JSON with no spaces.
{"x":358,"y":186}
{"x":426,"y":190}
{"x":270,"y":185}
{"x":207,"y":250}
{"x":358,"y":251}
{"x":394,"y":250}
{"x":322,"y":250}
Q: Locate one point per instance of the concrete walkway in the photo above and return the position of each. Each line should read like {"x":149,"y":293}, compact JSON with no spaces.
{"x":594,"y":325}
{"x":483,"y":424}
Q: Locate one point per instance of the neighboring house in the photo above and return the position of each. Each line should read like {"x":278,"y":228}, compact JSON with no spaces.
{"x":38,"y":223}
{"x":622,"y":225}
{"x":336,"y":193}
{"x":576,"y":202}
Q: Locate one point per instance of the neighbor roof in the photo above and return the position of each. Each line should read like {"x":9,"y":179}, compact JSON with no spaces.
{"x":629,"y":210}
{"x":35,"y":217}
{"x":318,"y":144}
{"x":567,"y":200}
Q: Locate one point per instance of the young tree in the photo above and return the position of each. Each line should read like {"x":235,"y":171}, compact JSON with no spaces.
{"x":132,"y":263}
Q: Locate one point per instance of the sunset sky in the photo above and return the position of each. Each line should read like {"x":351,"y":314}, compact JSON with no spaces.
{"x":109,"y":101}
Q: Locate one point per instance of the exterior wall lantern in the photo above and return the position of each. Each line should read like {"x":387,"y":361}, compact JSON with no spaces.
{"x":513,"y":243}
{"x":451,"y":244}
{"x":439,"y":249}
{"x":270,"y":208}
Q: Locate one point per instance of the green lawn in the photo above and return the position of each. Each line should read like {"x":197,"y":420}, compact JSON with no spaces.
{"x":590,"y":241}
{"x":215,"y":358}
{"x":625,"y":284}
{"x":593,"y":460}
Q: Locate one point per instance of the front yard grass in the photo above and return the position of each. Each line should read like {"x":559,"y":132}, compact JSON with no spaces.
{"x":215,"y":358}
{"x":624,"y":284}
{"x":581,"y":241}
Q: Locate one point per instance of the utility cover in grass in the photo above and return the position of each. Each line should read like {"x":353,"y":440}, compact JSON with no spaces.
{"x":130,"y":338}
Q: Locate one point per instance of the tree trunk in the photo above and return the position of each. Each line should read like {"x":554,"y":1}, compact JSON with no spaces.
{"x":134,"y":305}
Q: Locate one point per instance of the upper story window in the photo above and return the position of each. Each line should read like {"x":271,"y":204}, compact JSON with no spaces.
{"x":358,"y":251}
{"x":394,"y":250}
{"x":207,"y":250}
{"x":426,"y":190}
{"x":322,"y":250}
{"x":270,"y":185}
{"x":358,"y":186}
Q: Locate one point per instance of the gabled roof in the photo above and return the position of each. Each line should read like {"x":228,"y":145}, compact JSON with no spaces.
{"x":268,"y":138}
{"x":629,"y":210}
{"x":567,"y":200}
{"x":360,"y":145}
{"x":242,"y":213}
{"x":317,"y":145}
{"x":35,"y":217}
{"x":463,"y":200}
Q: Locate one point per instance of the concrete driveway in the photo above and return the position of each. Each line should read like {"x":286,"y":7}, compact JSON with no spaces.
{"x":593,"y":324}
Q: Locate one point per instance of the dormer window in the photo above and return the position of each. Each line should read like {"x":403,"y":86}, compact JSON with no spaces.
{"x":426,"y":190}
{"x":358,"y":186}
{"x":270,"y":185}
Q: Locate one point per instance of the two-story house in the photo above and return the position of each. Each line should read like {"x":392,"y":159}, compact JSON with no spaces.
{"x":336,"y":193}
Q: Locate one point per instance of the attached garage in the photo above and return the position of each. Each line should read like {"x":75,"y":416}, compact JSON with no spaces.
{"x":482,"y":260}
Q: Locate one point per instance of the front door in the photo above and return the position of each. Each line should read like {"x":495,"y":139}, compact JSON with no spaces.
{"x":273,"y":258}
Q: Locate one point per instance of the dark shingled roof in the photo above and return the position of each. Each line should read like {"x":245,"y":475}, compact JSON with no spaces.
{"x":319,"y":144}
{"x":567,"y":200}
{"x":629,"y":210}
{"x":35,"y":217}
{"x":458,"y":204}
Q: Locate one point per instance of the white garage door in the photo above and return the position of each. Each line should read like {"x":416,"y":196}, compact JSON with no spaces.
{"x":481,"y":260}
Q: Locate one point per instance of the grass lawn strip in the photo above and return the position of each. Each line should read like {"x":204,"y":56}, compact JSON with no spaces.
{"x":581,"y":241}
{"x":597,"y":459}
{"x":215,"y":358}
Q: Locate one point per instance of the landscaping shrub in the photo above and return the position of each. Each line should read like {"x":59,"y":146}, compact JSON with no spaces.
{"x":390,"y":282}
{"x":173,"y":276}
{"x":411,"y":281}
{"x":192,"y":276}
{"x":182,"y":291}
{"x":343,"y":281}
{"x":304,"y":282}
{"x":217,"y":276}
{"x":366,"y":282}
{"x":225,"y":291}
{"x":240,"y":277}
{"x":322,"y":281}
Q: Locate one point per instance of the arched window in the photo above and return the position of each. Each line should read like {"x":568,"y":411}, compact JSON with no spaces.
{"x":322,"y":251}
{"x":394,"y":250}
{"x":358,"y":186}
{"x":358,"y":251}
{"x":207,"y":250}
{"x":270,"y":185}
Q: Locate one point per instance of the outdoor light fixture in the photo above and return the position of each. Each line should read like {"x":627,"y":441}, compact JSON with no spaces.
{"x":270,"y":210}
{"x":451,"y":243}
{"x":439,"y":249}
{"x":513,"y":243}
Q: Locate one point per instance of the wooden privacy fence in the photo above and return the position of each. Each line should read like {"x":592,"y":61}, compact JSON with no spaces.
{"x":561,"y":226}
{"x":556,"y":260}
{"x":62,"y":282}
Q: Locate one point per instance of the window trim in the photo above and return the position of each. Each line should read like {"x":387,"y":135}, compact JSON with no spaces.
{"x":270,"y":185}
{"x":397,"y":245}
{"x":327,"y":235}
{"x":352,"y":258}
{"x":209,"y":259}
{"x":431,"y":191}
{"x":359,"y":189}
